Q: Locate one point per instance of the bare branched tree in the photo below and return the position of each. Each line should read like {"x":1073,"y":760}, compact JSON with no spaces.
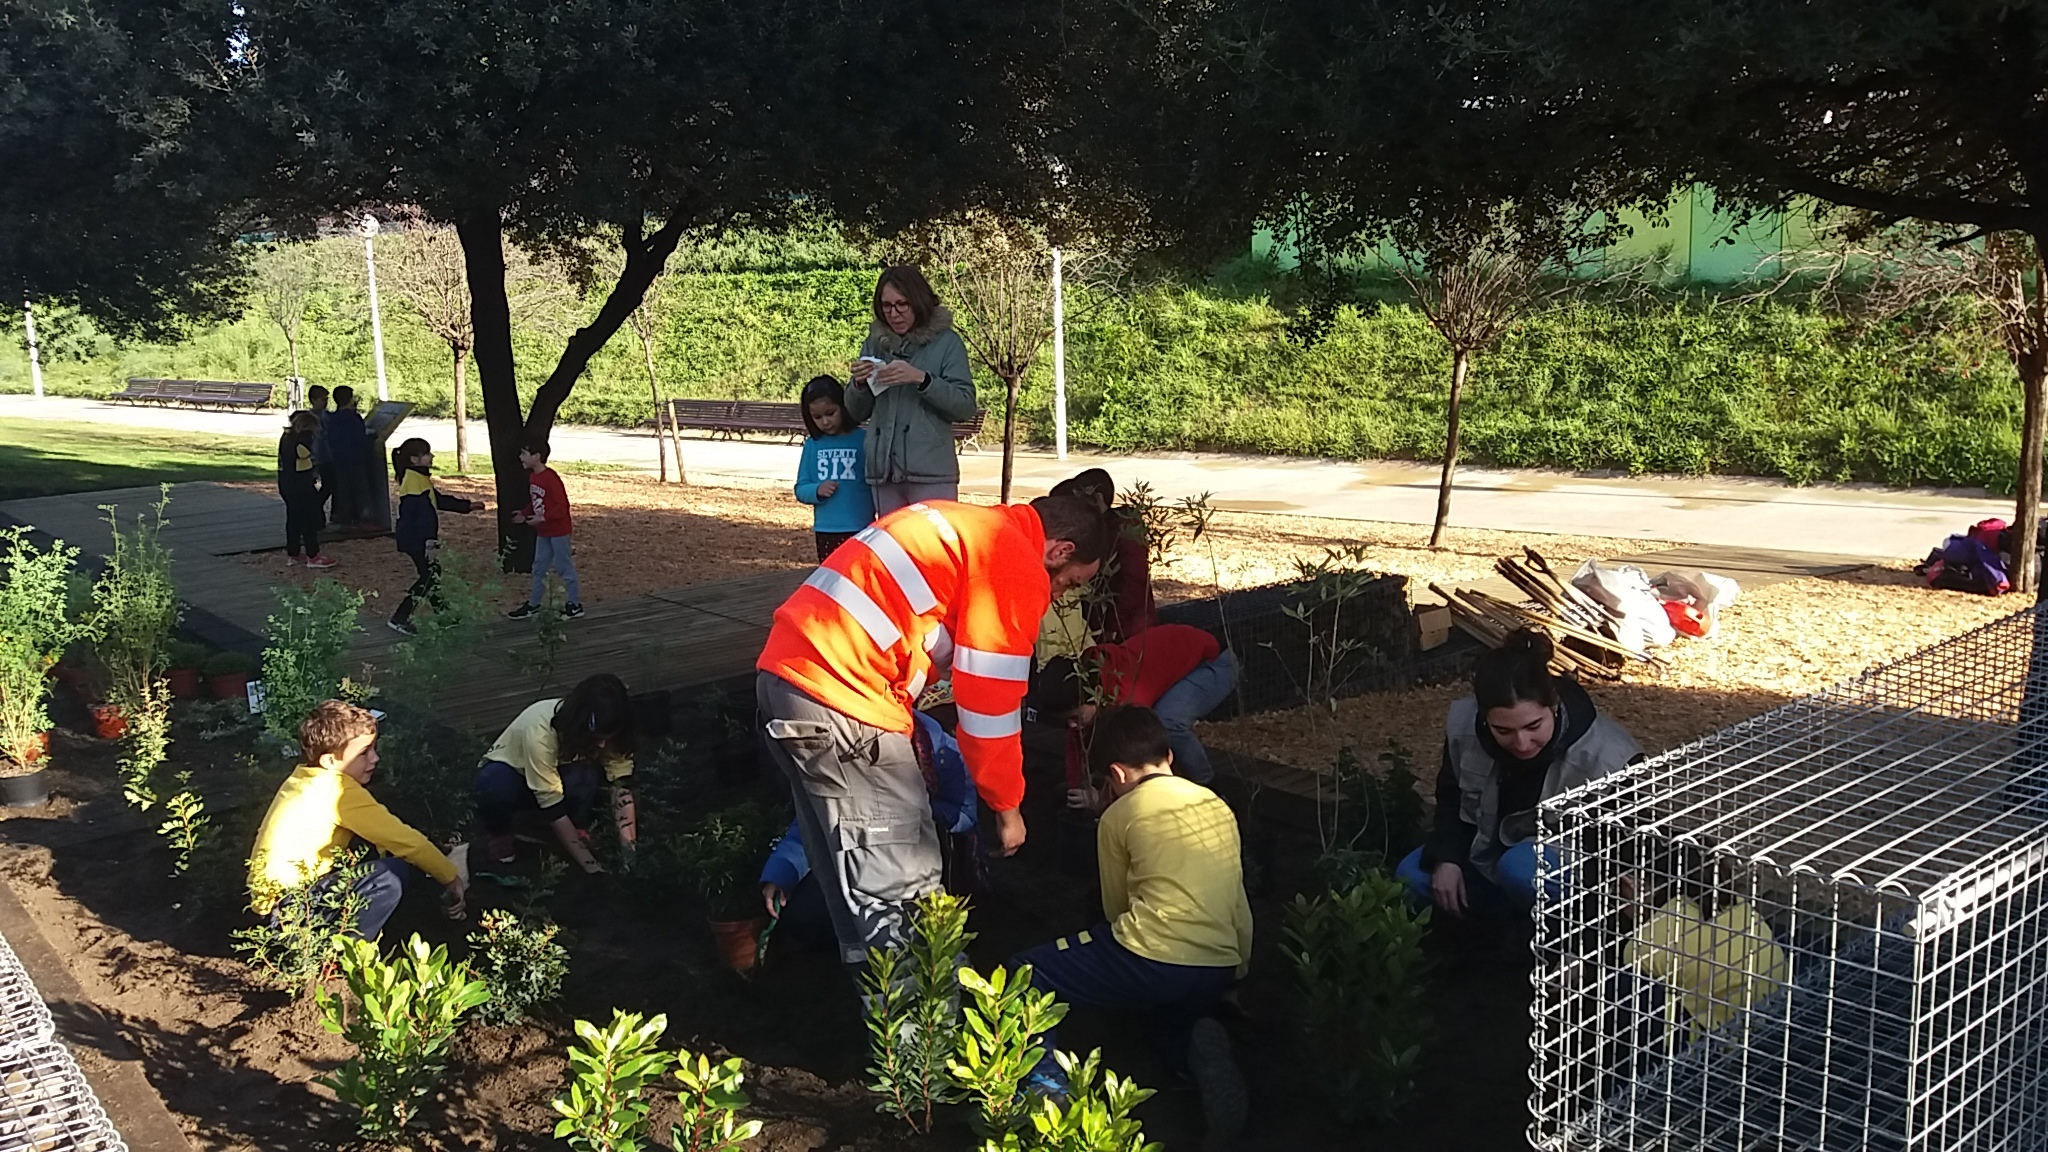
{"x":996,"y":272}
{"x":1473,"y":295}
{"x":429,"y":276}
{"x":1860,"y":270}
{"x":286,"y":276}
{"x":646,"y":323}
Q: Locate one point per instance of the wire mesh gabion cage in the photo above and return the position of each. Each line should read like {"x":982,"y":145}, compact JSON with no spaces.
{"x":1824,"y":928}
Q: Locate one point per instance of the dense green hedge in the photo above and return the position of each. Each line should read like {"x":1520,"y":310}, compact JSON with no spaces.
{"x":1679,"y":386}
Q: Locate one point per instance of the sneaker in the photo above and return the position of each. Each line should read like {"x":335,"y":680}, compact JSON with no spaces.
{"x":1224,"y":1102}
{"x":319,"y":562}
{"x":294,"y":562}
{"x":403,"y":628}
{"x":523,"y":611}
{"x":571,"y":611}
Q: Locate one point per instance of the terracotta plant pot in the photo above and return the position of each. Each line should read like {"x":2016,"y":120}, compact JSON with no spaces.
{"x":184,"y":682}
{"x":30,"y":791}
{"x":738,"y":940}
{"x":108,"y":722}
{"x":229,"y":685}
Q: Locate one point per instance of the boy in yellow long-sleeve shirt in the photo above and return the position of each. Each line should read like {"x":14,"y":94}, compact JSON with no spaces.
{"x":1179,"y":927}
{"x":323,"y":806}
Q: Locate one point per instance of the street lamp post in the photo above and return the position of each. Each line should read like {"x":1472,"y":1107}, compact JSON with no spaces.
{"x":1059,"y":356}
{"x":35,"y":359}
{"x":368,"y":228}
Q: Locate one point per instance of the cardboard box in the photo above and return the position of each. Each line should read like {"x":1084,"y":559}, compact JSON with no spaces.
{"x":1432,"y":626}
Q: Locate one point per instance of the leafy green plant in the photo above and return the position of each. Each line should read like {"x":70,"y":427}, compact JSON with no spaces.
{"x":1369,"y":820}
{"x":184,"y":654}
{"x":446,"y":633}
{"x":540,"y":658}
{"x":710,"y":1101}
{"x":719,"y":858}
{"x":1002,"y":1021}
{"x":304,"y":925}
{"x":911,"y":999}
{"x":146,"y":743}
{"x":135,"y":608}
{"x":35,"y":628}
{"x":1096,"y":1116}
{"x":187,"y":824}
{"x":407,"y":1010}
{"x":1335,"y":581}
{"x":228,"y":663}
{"x":521,"y":962}
{"x":610,"y":1069}
{"x":1358,"y":965}
{"x":305,"y":658}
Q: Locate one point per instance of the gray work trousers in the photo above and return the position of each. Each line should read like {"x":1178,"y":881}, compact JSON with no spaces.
{"x":862,"y":808}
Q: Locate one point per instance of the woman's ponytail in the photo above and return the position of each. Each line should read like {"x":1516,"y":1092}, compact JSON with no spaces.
{"x":401,"y":457}
{"x":1518,"y":670}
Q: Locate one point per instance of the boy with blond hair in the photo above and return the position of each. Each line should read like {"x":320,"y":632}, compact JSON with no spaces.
{"x":323,"y":806}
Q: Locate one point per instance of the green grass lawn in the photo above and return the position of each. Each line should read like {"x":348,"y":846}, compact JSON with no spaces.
{"x":49,"y":457}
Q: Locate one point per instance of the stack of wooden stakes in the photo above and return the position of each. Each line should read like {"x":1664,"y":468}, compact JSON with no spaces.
{"x":1583,"y":629}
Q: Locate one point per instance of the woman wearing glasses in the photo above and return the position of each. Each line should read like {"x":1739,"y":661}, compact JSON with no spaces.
{"x":910,"y":386}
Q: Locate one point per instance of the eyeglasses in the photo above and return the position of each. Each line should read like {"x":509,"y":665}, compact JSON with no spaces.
{"x":896,"y":306}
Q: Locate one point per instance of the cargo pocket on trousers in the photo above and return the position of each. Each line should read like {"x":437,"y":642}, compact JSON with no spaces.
{"x":809,"y":745}
{"x":888,"y":862}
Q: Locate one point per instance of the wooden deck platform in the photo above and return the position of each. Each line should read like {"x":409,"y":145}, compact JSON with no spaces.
{"x":679,"y":639}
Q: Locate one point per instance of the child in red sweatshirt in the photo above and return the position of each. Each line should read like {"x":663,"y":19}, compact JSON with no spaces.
{"x":550,"y":519}
{"x":1177,"y":670}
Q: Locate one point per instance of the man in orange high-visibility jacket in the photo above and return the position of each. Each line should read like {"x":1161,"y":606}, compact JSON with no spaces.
{"x":933,"y":585}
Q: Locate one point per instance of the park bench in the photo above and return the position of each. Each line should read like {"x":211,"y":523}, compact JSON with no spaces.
{"x":220,"y":394}
{"x":734,"y":417}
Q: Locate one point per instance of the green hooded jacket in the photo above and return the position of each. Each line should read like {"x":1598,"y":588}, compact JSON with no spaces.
{"x":910,"y":426}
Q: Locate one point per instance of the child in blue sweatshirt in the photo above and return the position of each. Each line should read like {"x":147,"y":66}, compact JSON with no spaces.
{"x":832,"y":476}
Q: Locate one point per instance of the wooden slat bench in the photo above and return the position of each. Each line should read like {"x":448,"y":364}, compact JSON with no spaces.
{"x":221,"y":394}
{"x":733,"y":417}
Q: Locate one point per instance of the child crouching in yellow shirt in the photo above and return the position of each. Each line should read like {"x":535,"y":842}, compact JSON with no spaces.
{"x":323,"y":806}
{"x":1179,"y":927}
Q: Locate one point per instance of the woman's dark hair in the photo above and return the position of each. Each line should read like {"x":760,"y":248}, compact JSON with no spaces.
{"x":1518,"y":670}
{"x":823,"y":388}
{"x":1093,"y":484}
{"x":915,"y":288}
{"x":401,"y":457}
{"x":596,"y":716}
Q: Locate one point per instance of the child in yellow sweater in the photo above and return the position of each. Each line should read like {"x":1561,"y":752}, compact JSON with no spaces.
{"x":1179,"y":927}
{"x":323,"y":806}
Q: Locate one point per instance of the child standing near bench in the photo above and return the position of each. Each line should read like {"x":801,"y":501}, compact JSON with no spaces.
{"x":549,"y":516}
{"x":832,"y":476}
{"x":296,"y":483}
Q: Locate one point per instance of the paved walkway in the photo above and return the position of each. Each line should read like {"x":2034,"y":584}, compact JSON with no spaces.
{"x":1852,"y":519}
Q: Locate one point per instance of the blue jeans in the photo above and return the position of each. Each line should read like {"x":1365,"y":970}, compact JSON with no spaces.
{"x":552,"y":552}
{"x":381,"y":889}
{"x":1194,"y":696}
{"x":502,"y":795}
{"x":1516,"y":870}
{"x":1091,"y":968}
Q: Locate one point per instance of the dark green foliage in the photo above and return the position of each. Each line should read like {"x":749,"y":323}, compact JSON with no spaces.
{"x":304,"y":926}
{"x":1358,"y":964}
{"x":716,"y":861}
{"x":522,"y":963}
{"x":1370,"y":819}
{"x":911,"y":997}
{"x":306,"y":652}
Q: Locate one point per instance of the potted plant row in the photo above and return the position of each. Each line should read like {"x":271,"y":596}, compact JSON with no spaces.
{"x":184,"y":660}
{"x":227,"y":674}
{"x":720,"y":860}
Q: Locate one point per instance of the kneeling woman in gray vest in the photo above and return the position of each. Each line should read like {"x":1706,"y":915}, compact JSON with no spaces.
{"x":1523,"y":736}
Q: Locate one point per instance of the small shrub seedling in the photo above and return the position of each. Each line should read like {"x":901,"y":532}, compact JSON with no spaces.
{"x":521,"y":962}
{"x":304,"y":926}
{"x":610,"y":1069}
{"x":36,"y":626}
{"x":911,"y":996}
{"x":1371,"y":820}
{"x":305,"y":657}
{"x":187,"y":825}
{"x":1096,"y":1116}
{"x":709,"y":1102}
{"x":998,"y":1044}
{"x":1358,"y":965}
{"x":148,"y":743}
{"x":406,"y":1013}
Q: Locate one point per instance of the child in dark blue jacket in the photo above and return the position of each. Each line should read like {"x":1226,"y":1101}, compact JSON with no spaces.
{"x":419,"y":523}
{"x":832,"y":476}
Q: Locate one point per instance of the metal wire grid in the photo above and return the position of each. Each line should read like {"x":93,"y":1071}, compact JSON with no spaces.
{"x":47,"y":1106}
{"x":1822,"y":929}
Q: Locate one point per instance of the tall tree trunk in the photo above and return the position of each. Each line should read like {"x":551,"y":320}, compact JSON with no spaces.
{"x":2026,"y":517}
{"x":1010,"y":383}
{"x":1461,"y":360}
{"x":461,"y":409}
{"x":645,"y":259}
{"x":654,"y":389}
{"x":2016,"y":257}
{"x":490,"y":313}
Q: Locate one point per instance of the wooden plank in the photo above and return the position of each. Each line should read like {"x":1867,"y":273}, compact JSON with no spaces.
{"x":1748,"y":567}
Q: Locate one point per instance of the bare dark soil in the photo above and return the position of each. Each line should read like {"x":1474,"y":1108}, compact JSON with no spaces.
{"x":234,"y":1060}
